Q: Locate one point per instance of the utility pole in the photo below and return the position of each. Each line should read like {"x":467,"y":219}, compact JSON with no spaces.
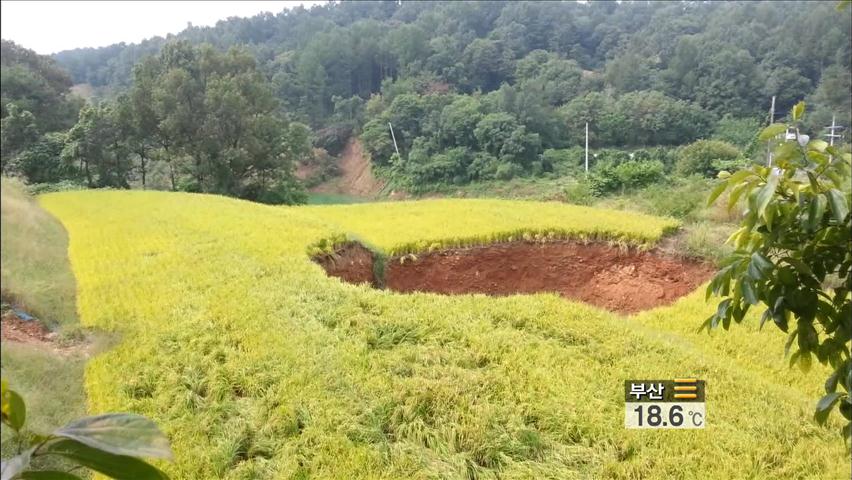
{"x":394,"y":138}
{"x":832,"y":130}
{"x":587,"y":147}
{"x":769,"y":142}
{"x":772,"y":111}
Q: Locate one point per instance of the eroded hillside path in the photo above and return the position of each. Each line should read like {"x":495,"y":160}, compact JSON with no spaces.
{"x":356,"y":174}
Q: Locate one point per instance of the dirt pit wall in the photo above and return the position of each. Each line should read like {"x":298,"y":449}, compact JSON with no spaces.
{"x":617,"y":279}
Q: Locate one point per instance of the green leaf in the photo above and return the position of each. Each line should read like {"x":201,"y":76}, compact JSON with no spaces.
{"x":816,"y":210}
{"x":798,"y":111}
{"x":799,"y":265}
{"x":759,"y":266}
{"x":772,"y":131}
{"x":818,"y":145}
{"x":120,"y":467}
{"x":15,"y":465}
{"x":716,"y":192}
{"x":770,"y":215}
{"x":825,"y":405}
{"x":14,"y":409}
{"x":814,"y":183}
{"x":838,"y":204}
{"x":817,"y":157}
{"x":767,"y":314}
{"x":766,"y":193}
{"x":48,"y":475}
{"x":4,"y":397}
{"x":120,"y":434}
{"x":789,"y":343}
{"x":805,"y":361}
{"x":740,"y":176}
{"x":748,"y":292}
{"x":736,"y":193}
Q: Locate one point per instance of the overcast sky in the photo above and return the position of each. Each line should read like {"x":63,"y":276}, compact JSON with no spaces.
{"x":50,"y":27}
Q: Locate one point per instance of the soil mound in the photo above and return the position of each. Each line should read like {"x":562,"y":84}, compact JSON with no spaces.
{"x":350,"y":262}
{"x":620,"y":280}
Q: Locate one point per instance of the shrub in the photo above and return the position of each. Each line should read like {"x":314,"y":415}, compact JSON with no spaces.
{"x":736,"y":131}
{"x":563,"y":161}
{"x":42,"y":162}
{"x":507,"y":171}
{"x":579,"y":193}
{"x":602,"y":180}
{"x":639,"y":173}
{"x":632,"y":174}
{"x":698,"y":157}
{"x":333,"y":139}
{"x":483,"y":166}
{"x":284,"y":193}
{"x":61,"y":186}
{"x":683,"y":199}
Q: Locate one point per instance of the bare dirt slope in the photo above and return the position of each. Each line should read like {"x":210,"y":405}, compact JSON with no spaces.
{"x":624,"y":281}
{"x":356,"y":176}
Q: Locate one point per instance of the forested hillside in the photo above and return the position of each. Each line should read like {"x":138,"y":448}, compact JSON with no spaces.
{"x":482,"y":90}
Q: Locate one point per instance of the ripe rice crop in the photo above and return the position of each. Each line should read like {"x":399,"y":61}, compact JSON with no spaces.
{"x":257,"y":365}
{"x":398,"y":228}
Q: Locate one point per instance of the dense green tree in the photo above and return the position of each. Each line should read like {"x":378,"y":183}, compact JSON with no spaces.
{"x":459,"y":120}
{"x":42,"y":162}
{"x":95,"y":144}
{"x":35,"y":83}
{"x":18,"y":131}
{"x":500,"y":135}
{"x":629,"y":72}
{"x":488,"y":64}
{"x":554,"y":79}
{"x":832,"y":99}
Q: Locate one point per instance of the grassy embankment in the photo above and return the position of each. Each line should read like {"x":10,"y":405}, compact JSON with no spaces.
{"x":37,"y":277}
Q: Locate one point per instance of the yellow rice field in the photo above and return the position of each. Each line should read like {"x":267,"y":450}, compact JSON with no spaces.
{"x":257,"y":365}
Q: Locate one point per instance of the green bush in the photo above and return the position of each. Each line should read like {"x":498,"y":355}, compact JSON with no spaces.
{"x":284,"y":193}
{"x":632,"y":174}
{"x":333,"y":138}
{"x":639,"y":173}
{"x":698,"y":158}
{"x":682,"y":199}
{"x":736,"y":131}
{"x":61,"y":186}
{"x":508,"y":171}
{"x":579,"y":193}
{"x":42,"y":162}
{"x":563,"y":161}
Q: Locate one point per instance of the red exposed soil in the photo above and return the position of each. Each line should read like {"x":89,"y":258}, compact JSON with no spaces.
{"x":34,"y":333}
{"x":351,"y":263}
{"x":14,"y":329}
{"x":620,"y":280}
{"x":356,"y":175}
